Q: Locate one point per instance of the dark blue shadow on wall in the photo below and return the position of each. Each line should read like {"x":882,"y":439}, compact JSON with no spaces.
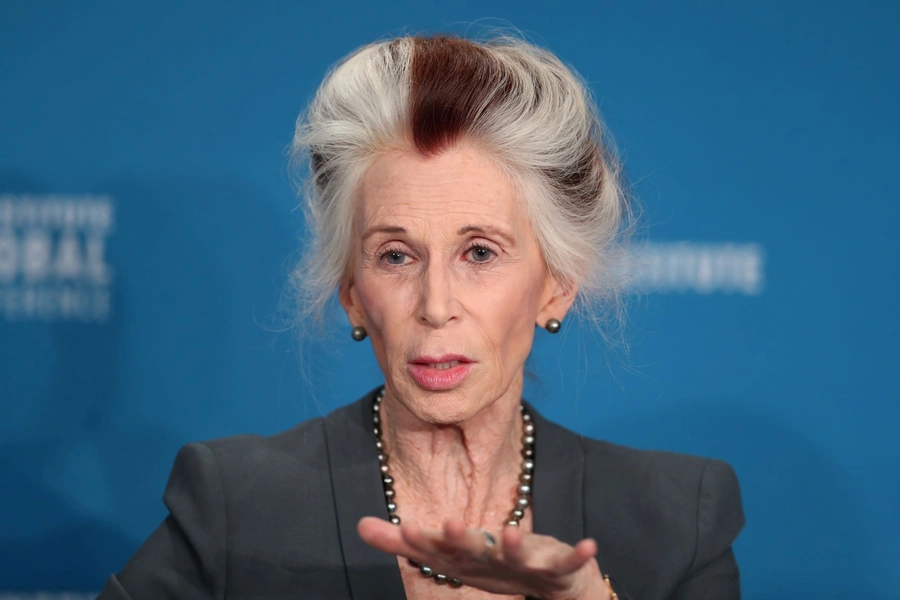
{"x":58,"y":383}
{"x":97,"y":412}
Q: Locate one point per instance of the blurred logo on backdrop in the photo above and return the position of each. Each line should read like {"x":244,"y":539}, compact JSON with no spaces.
{"x":697,"y":267}
{"x":53,"y":263}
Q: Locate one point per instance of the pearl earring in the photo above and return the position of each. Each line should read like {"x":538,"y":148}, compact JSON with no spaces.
{"x":358,"y":333}
{"x":553,"y":325}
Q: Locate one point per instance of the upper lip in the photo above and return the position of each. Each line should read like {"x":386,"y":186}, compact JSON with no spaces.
{"x":443,"y":358}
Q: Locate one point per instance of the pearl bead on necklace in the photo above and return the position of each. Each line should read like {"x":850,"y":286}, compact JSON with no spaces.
{"x":523,"y":500}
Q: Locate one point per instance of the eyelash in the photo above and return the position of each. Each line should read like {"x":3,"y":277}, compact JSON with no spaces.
{"x":479,"y":246}
{"x":388,"y":251}
{"x":474,"y":246}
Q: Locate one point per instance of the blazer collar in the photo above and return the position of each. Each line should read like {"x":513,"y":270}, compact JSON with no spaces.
{"x":358,"y":492}
{"x":559,"y":501}
{"x":557,"y":495}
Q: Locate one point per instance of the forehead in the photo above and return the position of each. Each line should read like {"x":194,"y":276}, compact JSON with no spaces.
{"x":462,"y":180}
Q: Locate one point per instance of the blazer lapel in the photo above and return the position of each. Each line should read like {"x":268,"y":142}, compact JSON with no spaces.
{"x":558,"y":493}
{"x":357,"y":487}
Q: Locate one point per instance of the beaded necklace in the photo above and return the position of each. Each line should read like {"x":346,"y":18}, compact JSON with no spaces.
{"x":523,"y":500}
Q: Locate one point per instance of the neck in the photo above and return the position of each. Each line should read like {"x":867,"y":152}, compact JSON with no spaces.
{"x":467,"y":470}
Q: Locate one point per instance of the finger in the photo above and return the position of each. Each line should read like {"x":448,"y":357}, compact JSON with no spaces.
{"x":574,"y":560}
{"x":452,"y":543}
{"x":458,"y":539}
{"x":461,"y":544}
{"x":379,"y":533}
{"x":386,"y":536}
{"x":513,"y":549}
{"x":456,"y":532}
{"x":417,"y":538}
{"x":435,"y":549}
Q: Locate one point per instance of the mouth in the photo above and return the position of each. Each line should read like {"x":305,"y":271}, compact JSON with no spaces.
{"x":439,"y":372}
{"x":445,"y":361}
{"x":442,"y":365}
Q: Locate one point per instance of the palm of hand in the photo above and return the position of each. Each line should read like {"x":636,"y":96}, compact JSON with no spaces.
{"x":528,"y":564}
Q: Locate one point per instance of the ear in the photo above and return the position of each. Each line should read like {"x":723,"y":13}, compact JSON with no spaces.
{"x":349,"y":298}
{"x":557,"y":300}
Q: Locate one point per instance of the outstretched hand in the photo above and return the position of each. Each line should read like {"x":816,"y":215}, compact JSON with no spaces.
{"x":529,"y":564}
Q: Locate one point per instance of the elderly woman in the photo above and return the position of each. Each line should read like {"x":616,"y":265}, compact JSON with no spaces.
{"x":461,"y":195}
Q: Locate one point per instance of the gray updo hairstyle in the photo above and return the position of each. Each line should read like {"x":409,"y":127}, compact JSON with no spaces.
{"x":517,"y":101}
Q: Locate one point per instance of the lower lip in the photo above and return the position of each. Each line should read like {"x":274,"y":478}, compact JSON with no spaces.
{"x":433,"y":379}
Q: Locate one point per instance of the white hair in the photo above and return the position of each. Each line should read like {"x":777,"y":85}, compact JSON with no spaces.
{"x":519,"y":102}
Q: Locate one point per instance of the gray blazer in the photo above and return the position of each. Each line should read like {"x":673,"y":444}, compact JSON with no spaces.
{"x":273,"y":518}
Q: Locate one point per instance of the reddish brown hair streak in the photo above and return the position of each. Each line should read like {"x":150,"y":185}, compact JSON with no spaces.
{"x":453,"y":83}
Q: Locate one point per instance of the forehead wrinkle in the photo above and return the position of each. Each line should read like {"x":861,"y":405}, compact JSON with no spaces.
{"x":435,"y":194}
{"x":449,"y":224}
{"x":456,"y":189}
{"x":464,"y":212}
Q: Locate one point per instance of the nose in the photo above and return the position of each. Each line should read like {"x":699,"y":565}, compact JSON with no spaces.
{"x":438,"y":303}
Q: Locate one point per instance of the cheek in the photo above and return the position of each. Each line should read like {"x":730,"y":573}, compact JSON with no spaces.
{"x":385,"y":302}
{"x":383,"y":322}
{"x":506,"y":315}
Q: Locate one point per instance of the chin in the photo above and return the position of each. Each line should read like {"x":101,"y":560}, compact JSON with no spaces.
{"x":444,"y":407}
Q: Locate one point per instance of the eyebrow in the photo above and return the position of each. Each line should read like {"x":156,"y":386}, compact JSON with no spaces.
{"x":487,"y":230}
{"x":381,"y":229}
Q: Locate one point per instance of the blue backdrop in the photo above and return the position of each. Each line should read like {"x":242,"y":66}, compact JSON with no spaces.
{"x":147,"y":224}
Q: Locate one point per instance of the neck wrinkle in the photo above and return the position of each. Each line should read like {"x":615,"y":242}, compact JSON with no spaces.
{"x":463,"y":470}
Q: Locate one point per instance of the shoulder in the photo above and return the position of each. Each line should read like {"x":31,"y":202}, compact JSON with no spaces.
{"x":682,"y":512}
{"x":302,"y":444}
{"x":665,"y":487}
{"x":279,"y":465}
{"x":675,"y":476}
{"x":629,"y":473}
{"x":251,"y":455}
{"x":251,"y":486}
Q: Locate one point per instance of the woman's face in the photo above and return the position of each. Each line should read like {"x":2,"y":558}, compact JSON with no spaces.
{"x":448,"y":280}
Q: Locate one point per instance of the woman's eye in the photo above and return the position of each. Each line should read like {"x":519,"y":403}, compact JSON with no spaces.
{"x":481,"y":254}
{"x":394,"y":258}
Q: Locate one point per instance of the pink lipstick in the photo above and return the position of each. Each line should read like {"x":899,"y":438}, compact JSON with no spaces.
{"x":437,"y":373}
